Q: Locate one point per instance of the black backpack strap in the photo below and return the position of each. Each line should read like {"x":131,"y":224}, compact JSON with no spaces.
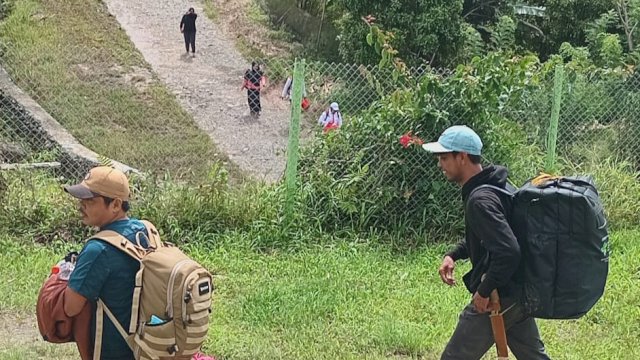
{"x":507,"y":198}
{"x":510,"y":194}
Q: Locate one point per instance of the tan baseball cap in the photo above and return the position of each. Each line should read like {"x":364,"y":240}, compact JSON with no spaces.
{"x":101,"y":181}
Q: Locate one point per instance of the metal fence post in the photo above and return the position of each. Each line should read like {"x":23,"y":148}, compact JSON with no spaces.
{"x":293,"y":147}
{"x":552,"y":136}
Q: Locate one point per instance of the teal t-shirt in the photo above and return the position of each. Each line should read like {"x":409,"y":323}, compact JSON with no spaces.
{"x":104,"y":272}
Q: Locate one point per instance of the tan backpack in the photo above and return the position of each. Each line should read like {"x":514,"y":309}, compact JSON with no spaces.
{"x":171,"y":300}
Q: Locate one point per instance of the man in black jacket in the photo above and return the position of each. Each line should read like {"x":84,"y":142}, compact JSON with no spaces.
{"x":188,"y":29}
{"x":491,"y":246}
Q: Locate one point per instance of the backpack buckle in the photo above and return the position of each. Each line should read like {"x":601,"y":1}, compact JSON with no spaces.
{"x":172,"y":349}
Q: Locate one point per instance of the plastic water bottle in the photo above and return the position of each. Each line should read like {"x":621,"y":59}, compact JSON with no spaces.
{"x":63,"y":269}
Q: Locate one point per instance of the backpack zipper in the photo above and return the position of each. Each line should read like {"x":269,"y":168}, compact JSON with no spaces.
{"x":172,"y":280}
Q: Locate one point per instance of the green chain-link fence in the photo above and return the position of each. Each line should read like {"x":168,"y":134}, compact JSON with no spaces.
{"x":370,"y":171}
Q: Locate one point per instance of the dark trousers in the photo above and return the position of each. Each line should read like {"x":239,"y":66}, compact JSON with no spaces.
{"x":190,"y":39}
{"x":473,"y":336}
{"x":253,"y":98}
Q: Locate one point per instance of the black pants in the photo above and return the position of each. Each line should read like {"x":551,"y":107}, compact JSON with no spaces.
{"x":253,"y":98}
{"x":473,"y":336}
{"x":190,"y":39}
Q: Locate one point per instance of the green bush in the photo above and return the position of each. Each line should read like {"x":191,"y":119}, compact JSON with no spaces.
{"x":210,"y":208}
{"x":617,"y":180}
{"x":363,"y":178}
{"x":34,"y":204}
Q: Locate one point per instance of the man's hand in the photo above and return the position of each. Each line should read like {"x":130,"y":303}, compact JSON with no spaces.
{"x":481,"y":304}
{"x":446,"y":270}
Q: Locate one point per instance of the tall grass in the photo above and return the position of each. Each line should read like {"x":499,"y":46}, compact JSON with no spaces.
{"x":73,"y":58}
{"x":348,"y":300}
{"x":295,"y":293}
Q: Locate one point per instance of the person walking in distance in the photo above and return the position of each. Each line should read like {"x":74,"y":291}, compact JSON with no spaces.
{"x":331,"y":118}
{"x":254,"y":82}
{"x":188,"y":29}
{"x":491,"y":246}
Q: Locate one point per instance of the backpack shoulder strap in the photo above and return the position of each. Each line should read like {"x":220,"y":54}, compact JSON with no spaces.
{"x":101,"y":310}
{"x":121,"y":243}
{"x":496,"y":188}
{"x":154,"y":235}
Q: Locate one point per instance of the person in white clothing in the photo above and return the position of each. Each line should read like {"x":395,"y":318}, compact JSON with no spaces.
{"x":288,"y":87}
{"x":331,"y":117}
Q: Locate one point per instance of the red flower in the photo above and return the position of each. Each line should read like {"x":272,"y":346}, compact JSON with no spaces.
{"x":405,"y":140}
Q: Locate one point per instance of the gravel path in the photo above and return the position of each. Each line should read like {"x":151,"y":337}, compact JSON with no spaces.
{"x":208,"y":85}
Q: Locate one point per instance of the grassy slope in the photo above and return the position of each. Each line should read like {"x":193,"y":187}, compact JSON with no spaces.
{"x":254,"y":35}
{"x":348,"y":302}
{"x":73,"y":58}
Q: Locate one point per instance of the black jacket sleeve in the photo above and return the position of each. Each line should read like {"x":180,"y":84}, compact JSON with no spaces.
{"x":459,"y":252}
{"x":488,"y":222}
{"x":182,"y":21}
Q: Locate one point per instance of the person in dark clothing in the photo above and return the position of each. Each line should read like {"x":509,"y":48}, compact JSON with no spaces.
{"x":491,"y":246}
{"x":253,"y":82}
{"x":188,"y":29}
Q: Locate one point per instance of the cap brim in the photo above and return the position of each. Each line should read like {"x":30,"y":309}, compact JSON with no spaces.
{"x":435,"y":148}
{"x":79,"y":191}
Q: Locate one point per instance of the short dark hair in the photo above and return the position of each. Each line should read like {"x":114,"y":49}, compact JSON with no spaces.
{"x":125,"y":204}
{"x":475,"y":159}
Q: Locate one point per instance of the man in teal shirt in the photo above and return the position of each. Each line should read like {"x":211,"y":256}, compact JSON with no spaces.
{"x":102,"y":271}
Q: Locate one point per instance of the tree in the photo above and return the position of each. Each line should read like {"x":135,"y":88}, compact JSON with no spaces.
{"x":424,"y":30}
{"x":628,"y":15}
{"x":564,"y":21}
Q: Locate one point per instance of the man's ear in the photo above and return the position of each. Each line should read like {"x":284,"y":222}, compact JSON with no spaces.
{"x":464,"y":157}
{"x":116,"y":205}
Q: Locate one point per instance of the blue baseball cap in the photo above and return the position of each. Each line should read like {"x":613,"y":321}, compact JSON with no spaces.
{"x":458,"y":138}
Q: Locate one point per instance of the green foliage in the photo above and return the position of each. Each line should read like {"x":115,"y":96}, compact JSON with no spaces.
{"x":5,"y":8}
{"x":310,"y":22}
{"x":578,"y":58}
{"x":473,"y":43}
{"x":425,"y":30}
{"x":503,"y":37}
{"x":522,"y":9}
{"x":34,"y":204}
{"x":564,"y":21}
{"x":615,"y":32}
{"x":618,"y":184}
{"x":610,"y":50}
{"x":602,"y":25}
{"x":339,"y":173}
